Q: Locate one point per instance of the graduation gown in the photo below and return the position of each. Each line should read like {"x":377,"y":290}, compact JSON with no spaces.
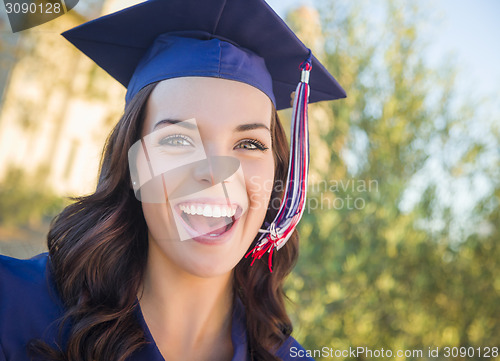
{"x":30,"y":305}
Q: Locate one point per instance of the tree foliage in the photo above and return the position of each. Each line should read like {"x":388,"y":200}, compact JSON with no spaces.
{"x":382,"y":274}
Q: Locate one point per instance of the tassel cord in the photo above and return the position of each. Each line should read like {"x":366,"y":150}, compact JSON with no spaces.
{"x":292,"y":205}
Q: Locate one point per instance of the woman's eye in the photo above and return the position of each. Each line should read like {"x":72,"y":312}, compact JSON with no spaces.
{"x":176,"y":140}
{"x":251,"y":144}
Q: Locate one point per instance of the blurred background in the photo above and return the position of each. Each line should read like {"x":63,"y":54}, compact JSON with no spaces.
{"x":400,"y":239}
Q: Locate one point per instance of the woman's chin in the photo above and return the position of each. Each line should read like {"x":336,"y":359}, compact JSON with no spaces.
{"x":209,"y":255}
{"x":209,"y":259}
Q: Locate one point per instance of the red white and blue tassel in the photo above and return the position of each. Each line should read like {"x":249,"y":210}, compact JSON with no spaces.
{"x":294,"y":198}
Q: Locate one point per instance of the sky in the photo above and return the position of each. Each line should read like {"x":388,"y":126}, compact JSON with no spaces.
{"x":471,"y":29}
{"x":468,"y":29}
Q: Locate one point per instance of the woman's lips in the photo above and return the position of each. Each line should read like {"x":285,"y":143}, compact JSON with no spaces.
{"x":209,"y":221}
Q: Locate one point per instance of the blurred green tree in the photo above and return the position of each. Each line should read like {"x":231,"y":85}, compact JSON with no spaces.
{"x":376,"y":269}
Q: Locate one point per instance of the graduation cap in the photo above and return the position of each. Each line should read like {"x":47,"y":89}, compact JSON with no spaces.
{"x":242,"y":40}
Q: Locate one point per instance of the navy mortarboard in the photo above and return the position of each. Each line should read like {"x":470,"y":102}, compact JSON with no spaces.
{"x":242,"y":40}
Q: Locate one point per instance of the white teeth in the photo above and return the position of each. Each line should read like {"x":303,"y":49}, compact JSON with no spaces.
{"x":207,"y":210}
{"x":216,"y":212}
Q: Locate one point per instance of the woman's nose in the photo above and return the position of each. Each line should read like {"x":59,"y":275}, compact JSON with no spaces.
{"x":203,"y":172}
{"x":215,"y":169}
{"x":206,"y":170}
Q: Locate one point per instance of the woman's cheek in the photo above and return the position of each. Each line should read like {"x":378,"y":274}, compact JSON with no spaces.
{"x":259,"y":182}
{"x":160,"y":222}
{"x":157,"y":209}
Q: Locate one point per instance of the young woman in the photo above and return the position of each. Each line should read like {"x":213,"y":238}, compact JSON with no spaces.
{"x":152,"y":265}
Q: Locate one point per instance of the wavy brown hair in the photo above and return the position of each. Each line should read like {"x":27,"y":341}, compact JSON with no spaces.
{"x":98,"y":250}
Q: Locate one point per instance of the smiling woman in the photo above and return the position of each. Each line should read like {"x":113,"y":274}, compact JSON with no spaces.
{"x":153,"y":265}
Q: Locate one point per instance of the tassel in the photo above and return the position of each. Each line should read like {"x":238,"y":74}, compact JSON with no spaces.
{"x":294,"y":199}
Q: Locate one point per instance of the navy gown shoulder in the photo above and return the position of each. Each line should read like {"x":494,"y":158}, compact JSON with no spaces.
{"x":29,"y":305}
{"x":30,"y":308}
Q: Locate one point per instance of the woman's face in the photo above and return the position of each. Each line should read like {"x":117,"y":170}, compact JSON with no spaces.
{"x":207,"y":143}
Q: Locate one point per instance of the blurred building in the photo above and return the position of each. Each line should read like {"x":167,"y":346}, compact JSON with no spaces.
{"x":8,"y":43}
{"x":57,"y":106}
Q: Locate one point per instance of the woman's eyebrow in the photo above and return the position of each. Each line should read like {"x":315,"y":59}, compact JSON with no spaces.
{"x":250,"y":126}
{"x":180,"y":123}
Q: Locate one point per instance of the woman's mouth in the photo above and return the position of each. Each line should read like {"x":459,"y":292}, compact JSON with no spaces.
{"x":208,"y":223}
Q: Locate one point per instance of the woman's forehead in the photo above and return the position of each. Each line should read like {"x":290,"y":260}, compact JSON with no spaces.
{"x":208,"y":99}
